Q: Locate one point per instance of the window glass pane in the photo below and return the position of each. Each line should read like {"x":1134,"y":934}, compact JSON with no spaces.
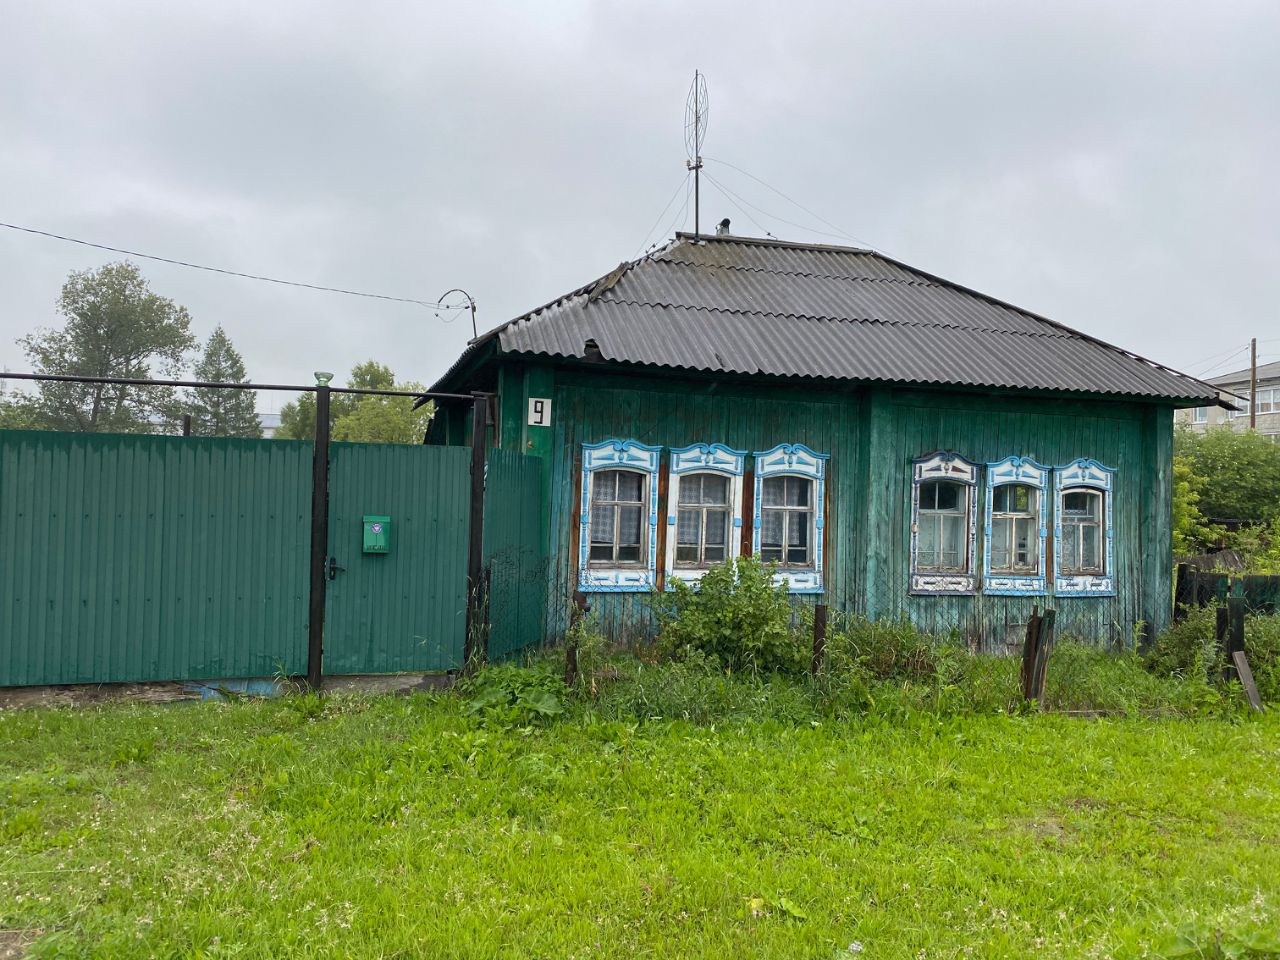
{"x":628,"y":525}
{"x":940,"y":495}
{"x":1070,"y":548}
{"x":1082,"y":503}
{"x":628,"y":554}
{"x":690,"y":488}
{"x":1090,"y":547}
{"x":602,"y":525}
{"x":686,"y":554}
{"x":1001,"y":532}
{"x":601,"y":551}
{"x":927,"y":543}
{"x":629,"y":486}
{"x":798,"y":491}
{"x":1014,"y":498}
{"x":688,"y":524}
{"x":712,"y":555}
{"x":715,"y":489}
{"x":1026,"y":543}
{"x":717,"y":527}
{"x":774,"y":489}
{"x":604,"y":485}
{"x":798,"y":538}
{"x":952,"y":541}
{"x":771,"y":524}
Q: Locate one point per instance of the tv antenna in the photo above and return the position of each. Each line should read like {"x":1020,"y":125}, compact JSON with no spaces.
{"x":696,"y":110}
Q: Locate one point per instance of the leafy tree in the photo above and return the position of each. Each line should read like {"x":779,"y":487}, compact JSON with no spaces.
{"x":115,"y":327}
{"x":1240,"y":470}
{"x":222,"y":413}
{"x":363,"y":419}
{"x":1191,"y":532}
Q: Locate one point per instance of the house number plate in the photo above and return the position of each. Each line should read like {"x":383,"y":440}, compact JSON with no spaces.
{"x":539,"y":412}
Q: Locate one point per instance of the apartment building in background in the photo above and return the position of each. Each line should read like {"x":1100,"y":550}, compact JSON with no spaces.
{"x":1268,"y":408}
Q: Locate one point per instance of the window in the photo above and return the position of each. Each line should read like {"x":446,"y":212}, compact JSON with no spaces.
{"x":1242,"y":401}
{"x":786,"y":521}
{"x":617,"y":518}
{"x":1200,"y":415}
{"x":619,"y":494}
{"x":1269,"y":400}
{"x":789,"y":514}
{"x":1014,"y":558}
{"x":704,"y":513}
{"x":942,"y":528}
{"x":1081,"y":532}
{"x":942,"y":524}
{"x":1083,"y":551}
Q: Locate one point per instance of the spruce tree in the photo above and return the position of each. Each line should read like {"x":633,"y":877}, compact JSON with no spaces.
{"x":222,"y":413}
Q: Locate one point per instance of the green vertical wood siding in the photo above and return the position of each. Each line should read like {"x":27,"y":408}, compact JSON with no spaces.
{"x":151,"y":558}
{"x":670,"y":413}
{"x":872,"y":435}
{"x":403,"y":611}
{"x":514,"y":553}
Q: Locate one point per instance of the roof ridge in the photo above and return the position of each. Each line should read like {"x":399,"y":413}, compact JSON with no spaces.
{"x":809,"y":316}
{"x":796,"y":273}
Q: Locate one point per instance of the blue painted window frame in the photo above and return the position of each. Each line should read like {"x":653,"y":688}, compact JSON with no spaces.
{"x":702,"y":458}
{"x":1024,"y":471}
{"x":945,"y":465}
{"x":1089,"y":474}
{"x":624,"y":455}
{"x":796,"y":460}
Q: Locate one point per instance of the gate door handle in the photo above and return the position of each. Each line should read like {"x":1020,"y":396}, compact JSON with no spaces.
{"x":334,"y":569}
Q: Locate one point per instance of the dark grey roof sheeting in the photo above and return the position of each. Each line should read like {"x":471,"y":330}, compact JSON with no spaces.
{"x":752,"y":307}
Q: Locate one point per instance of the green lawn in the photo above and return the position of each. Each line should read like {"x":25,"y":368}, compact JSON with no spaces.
{"x":399,"y":827}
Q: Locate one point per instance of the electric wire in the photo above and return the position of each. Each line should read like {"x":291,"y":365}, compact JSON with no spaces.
{"x":678,"y":219}
{"x":774,"y":216}
{"x":1217,"y":364}
{"x":434,"y":304}
{"x":711,"y":180}
{"x":658,"y":219}
{"x":817,"y":216}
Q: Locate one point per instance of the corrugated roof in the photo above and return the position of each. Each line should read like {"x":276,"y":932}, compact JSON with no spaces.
{"x":1266,"y":371}
{"x":755,"y":307}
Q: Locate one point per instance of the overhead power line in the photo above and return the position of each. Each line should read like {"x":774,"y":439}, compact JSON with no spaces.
{"x":432,"y":304}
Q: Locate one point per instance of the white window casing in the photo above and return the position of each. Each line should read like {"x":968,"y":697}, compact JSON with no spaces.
{"x":608,"y":558}
{"x":1083,"y":554}
{"x":698,"y":467}
{"x":795,"y":512}
{"x":1016,"y":528}
{"x":943,"y":533}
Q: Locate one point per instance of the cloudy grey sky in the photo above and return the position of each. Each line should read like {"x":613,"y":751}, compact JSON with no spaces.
{"x":1112,"y":166}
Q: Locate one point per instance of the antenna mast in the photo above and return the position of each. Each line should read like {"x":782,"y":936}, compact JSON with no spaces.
{"x":696,"y":110}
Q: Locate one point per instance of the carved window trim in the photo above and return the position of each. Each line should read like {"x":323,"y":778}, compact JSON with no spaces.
{"x":945,"y":465}
{"x":796,"y":460}
{"x":623,"y":455}
{"x":1084,"y":473}
{"x":1026,"y":472}
{"x":713,"y":458}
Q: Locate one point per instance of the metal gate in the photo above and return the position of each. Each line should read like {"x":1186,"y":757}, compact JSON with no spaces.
{"x":396,"y":599}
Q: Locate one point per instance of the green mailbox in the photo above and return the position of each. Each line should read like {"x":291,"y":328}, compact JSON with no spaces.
{"x":377,"y":534}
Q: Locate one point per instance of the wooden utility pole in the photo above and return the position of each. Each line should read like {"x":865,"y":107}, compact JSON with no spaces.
{"x":1253,"y":383}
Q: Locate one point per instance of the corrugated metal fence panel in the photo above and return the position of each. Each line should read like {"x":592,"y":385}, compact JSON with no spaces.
{"x":513,"y":552}
{"x":128,"y":558}
{"x":404,"y":610}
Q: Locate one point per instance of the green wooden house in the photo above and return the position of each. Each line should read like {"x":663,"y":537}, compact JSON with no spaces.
{"x":899,"y":445}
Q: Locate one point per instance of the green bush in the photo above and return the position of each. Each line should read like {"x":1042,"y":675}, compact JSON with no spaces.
{"x":510,"y":696}
{"x":737,"y":617}
{"x":1187,"y":647}
{"x":885,"y":649}
{"x":1262,"y":647}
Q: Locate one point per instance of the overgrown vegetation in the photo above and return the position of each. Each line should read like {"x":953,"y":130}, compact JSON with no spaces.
{"x":1227,"y":475}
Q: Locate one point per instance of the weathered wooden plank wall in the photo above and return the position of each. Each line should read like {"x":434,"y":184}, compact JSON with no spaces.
{"x":872,"y":435}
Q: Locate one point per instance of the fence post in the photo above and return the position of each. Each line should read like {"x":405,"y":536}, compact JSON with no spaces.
{"x":476,"y":644}
{"x":1182,"y":593}
{"x":1234,"y":634}
{"x":319,"y":534}
{"x":580,"y":609}
{"x":186,"y":424}
{"x":819,"y":638}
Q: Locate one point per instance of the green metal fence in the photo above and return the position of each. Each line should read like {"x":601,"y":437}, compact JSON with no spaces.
{"x":151,"y":558}
{"x":140,"y":558}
